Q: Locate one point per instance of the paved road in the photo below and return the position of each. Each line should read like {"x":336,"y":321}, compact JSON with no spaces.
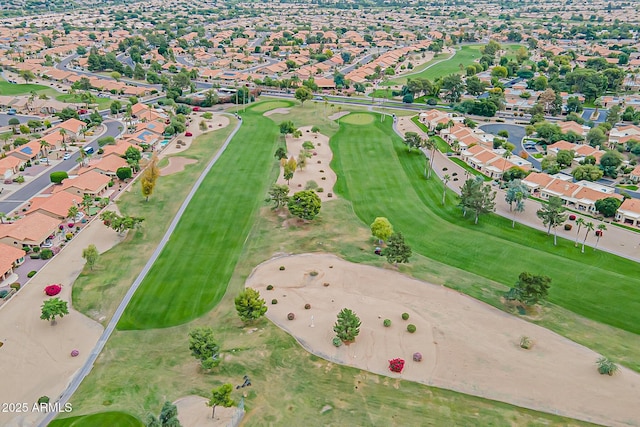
{"x":86,"y":368}
{"x":516,"y":134}
{"x":16,"y":199}
{"x":4,"y":118}
{"x":345,"y":100}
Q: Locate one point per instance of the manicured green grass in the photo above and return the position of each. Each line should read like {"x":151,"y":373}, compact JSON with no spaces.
{"x":8,"y":89}
{"x":358,"y":119}
{"x":103,"y":103}
{"x":597,"y":285}
{"x":191,"y":274}
{"x":628,"y":187}
{"x":271,"y":105}
{"x":382,"y":93}
{"x":102,"y":419}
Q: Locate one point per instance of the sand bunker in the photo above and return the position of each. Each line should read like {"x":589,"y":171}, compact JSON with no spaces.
{"x":193,"y":412}
{"x":176,"y":164}
{"x":277,"y":111}
{"x":317,"y":168}
{"x":467,"y":346}
{"x":36,"y":356}
{"x":336,"y":116}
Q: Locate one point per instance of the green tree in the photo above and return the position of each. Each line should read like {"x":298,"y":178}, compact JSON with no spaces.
{"x":530,"y":288}
{"x":168,"y":417}
{"x":587,"y":172}
{"x":454,"y":87}
{"x":91,"y":254}
{"x":124,"y":173}
{"x":600,"y":229}
{"x":516,"y":189}
{"x":589,"y":226}
{"x":72,"y":212}
{"x":413,"y":140}
{"x":608,"y":206}
{"x":58,"y":177}
{"x":609,"y":163}
{"x":27,"y":75}
{"x":477,"y":197}
{"x":204,"y":347}
{"x":564,"y":157}
{"x":397,"y":250}
{"x":287,"y":127}
{"x":250,"y":306}
{"x":115,"y":107}
{"x":305,"y":204}
{"x":347,"y":326}
{"x":133,"y":155}
{"x":381,"y":228}
{"x":596,"y":137}
{"x":445,"y":180}
{"x":552,"y":214}
{"x":52,"y":308}
{"x":475,"y":86}
{"x":579,"y":222}
{"x":13,"y":122}
{"x":281,"y":153}
{"x":221,"y":396}
{"x":279,"y":195}
{"x":303,"y":94}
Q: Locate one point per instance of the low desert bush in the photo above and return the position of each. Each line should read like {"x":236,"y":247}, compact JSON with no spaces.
{"x":269,"y":287}
{"x":3,"y":293}
{"x":46,"y":254}
{"x":606,"y":366}
{"x":337,"y":341}
{"x":386,"y":323}
{"x":411,"y":328}
{"x":567,"y":227}
{"x":274,"y":301}
{"x":405,"y":316}
{"x":313,"y":273}
{"x":282,"y":268}
{"x":525,"y":342}
{"x":307,"y":306}
{"x":417,"y":357}
{"x":396,"y":365}
{"x":15,"y":286}
{"x":52,"y":290}
{"x":31,"y":273}
{"x":291,"y":316}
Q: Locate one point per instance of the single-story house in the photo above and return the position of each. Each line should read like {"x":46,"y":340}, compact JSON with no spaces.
{"x":32,"y":230}
{"x":10,"y":258}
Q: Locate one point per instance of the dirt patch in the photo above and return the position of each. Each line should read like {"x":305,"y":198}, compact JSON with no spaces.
{"x":176,"y":164}
{"x":317,"y":168}
{"x":194,"y":412}
{"x":336,"y":116}
{"x":218,"y":121}
{"x":466,"y":345}
{"x":277,"y":111}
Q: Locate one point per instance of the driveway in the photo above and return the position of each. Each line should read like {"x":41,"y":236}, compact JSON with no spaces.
{"x":4,"y":118}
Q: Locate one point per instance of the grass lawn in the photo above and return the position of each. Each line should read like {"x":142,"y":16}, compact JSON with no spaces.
{"x":8,"y":89}
{"x":190,"y":276}
{"x":140,"y":369}
{"x":465,"y":56}
{"x":596,"y":285}
{"x":469,"y":169}
{"x":103,"y":103}
{"x":102,"y":419}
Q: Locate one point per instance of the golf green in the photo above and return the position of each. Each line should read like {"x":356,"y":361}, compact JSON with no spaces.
{"x":102,"y":419}
{"x":357,"y":119}
{"x":263,"y":107}
{"x":597,"y":285}
{"x":191,"y":274}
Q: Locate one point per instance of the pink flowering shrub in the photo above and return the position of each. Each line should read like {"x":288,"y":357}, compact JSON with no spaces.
{"x":74,"y":353}
{"x":417,"y":357}
{"x":396,"y":365}
{"x":52,"y":290}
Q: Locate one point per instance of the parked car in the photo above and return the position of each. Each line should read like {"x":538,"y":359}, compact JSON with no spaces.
{"x":12,"y":112}
{"x":196,"y":108}
{"x":89,"y":133}
{"x":67,"y":156}
{"x":188,"y":134}
{"x":89,"y":150}
{"x":83,"y":111}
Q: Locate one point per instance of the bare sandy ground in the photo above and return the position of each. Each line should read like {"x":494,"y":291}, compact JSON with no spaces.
{"x":336,"y":116}
{"x":467,"y":346}
{"x":176,"y":164}
{"x":194,"y":412}
{"x":317,"y":166}
{"x":36,"y":356}
{"x":218,"y":121}
{"x":277,"y":111}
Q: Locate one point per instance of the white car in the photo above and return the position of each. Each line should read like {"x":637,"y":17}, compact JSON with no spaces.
{"x":66,"y":156}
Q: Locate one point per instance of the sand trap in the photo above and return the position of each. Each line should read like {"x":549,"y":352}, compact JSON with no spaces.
{"x":467,"y":346}
{"x":35,"y":355}
{"x":176,"y":164}
{"x":218,"y":121}
{"x":277,"y":111}
{"x":312,"y":171}
{"x":193,"y":412}
{"x":336,"y":116}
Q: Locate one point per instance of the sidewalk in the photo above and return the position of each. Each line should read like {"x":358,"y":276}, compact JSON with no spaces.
{"x":616,"y":240}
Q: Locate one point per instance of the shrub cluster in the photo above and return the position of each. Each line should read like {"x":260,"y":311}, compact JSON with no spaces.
{"x":396,"y":365}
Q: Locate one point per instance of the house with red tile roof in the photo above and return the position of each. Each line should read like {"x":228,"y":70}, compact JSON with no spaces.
{"x":72,"y":127}
{"x":31,"y":230}
{"x":10,"y":258}
{"x":629,"y":212}
{"x":10,"y":166}
{"x":91,"y":183}
{"x":54,"y":205}
{"x":107,"y":166}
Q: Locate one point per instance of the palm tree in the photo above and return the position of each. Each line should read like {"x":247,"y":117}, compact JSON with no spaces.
{"x":579,"y":222}
{"x":430,"y":144}
{"x":505,"y":156}
{"x":3,"y":216}
{"x":600,"y":229}
{"x":63,"y":133}
{"x":445,"y":180}
{"x":82,"y":158}
{"x":518,"y":207}
{"x":73,"y":212}
{"x":44,"y":147}
{"x":589,"y":226}
{"x":455,"y":145}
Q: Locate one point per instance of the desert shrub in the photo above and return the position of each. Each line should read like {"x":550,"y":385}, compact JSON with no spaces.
{"x":274,"y":301}
{"x":68,"y":236}
{"x":307,"y":306}
{"x":15,"y":286}
{"x":43,"y":399}
{"x":36,"y":249}
{"x":307,"y":145}
{"x":411,"y":328}
{"x":291,"y":316}
{"x":313,"y":273}
{"x":323,"y":178}
{"x":329,"y":194}
{"x":31,"y":273}
{"x":74,"y":353}
{"x":282,"y":268}
{"x":52,"y":290}
{"x":572,"y":217}
{"x":58,"y":177}
{"x":1,"y":343}
{"x":567,"y":227}
{"x":46,"y":254}
{"x":525,"y":342}
{"x":417,"y":357}
{"x":320,"y":190}
{"x":269,"y":287}
{"x":396,"y":365}
{"x":207,"y":115}
{"x":386,"y":323}
{"x":325,"y":284}
{"x":311,"y":185}
{"x":3,"y":293}
{"x":34,"y":256}
{"x":337,"y":341}
{"x":606,"y":366}
{"x":405,"y":316}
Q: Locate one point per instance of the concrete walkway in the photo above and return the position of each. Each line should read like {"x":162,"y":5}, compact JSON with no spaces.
{"x":615,"y":240}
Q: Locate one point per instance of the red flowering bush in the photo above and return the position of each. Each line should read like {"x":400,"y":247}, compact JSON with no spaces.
{"x":52,"y":290}
{"x":396,"y":365}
